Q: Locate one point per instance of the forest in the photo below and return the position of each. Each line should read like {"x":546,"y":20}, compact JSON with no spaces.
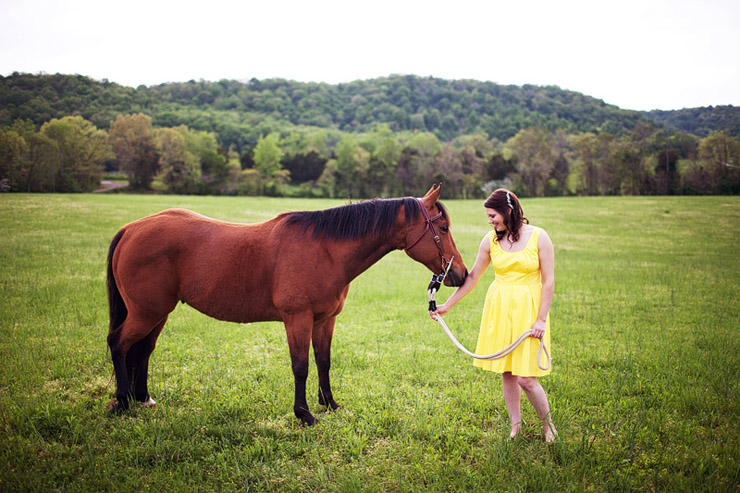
{"x":388,"y":136}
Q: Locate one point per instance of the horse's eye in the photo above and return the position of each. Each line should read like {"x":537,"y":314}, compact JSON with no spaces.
{"x":444,"y":229}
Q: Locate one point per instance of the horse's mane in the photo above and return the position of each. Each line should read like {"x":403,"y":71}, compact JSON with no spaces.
{"x":347,"y":222}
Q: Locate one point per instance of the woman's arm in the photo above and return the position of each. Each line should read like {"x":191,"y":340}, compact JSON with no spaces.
{"x":547,"y":270}
{"x":481,"y":263}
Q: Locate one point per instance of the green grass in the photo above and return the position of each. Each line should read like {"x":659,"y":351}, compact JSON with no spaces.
{"x":644,"y":391}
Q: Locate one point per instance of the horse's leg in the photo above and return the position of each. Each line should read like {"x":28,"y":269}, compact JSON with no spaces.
{"x":322,"y":335}
{"x":122,"y":380}
{"x":141,"y":351}
{"x":298,"y":329}
{"x":134,"y":329}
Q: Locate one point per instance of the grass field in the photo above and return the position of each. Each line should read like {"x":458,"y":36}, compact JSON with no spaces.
{"x":644,"y":392}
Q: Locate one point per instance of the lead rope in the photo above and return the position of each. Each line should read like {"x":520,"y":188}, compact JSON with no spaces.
{"x":431,"y":295}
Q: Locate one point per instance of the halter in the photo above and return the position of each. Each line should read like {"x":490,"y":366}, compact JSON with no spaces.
{"x":429,"y":225}
{"x":437,"y":279}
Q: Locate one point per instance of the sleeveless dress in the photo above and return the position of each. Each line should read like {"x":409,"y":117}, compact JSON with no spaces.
{"x":511,"y":307}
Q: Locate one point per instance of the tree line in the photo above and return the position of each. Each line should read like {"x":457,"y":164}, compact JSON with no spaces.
{"x":70,"y":154}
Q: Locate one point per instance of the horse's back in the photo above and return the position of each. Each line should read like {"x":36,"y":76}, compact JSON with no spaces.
{"x":174,"y":217}
{"x":165,"y":232}
{"x":176,"y":224}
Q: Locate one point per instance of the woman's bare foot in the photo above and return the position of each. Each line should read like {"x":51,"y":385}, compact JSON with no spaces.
{"x":515,"y":429}
{"x":551,"y":434}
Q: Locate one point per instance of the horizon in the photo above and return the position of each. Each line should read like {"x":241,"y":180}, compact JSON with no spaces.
{"x":247,"y":80}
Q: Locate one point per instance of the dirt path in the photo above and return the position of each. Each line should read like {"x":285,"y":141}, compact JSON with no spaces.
{"x":106,"y":185}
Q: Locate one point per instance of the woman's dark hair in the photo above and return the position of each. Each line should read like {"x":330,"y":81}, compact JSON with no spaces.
{"x":507,"y":204}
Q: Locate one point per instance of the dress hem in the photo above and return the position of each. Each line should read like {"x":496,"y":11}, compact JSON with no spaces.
{"x":543,"y":374}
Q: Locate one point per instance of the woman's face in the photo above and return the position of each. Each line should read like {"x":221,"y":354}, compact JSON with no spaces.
{"x":495,"y":219}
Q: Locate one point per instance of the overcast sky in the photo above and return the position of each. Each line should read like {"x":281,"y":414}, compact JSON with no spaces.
{"x":636,"y":54}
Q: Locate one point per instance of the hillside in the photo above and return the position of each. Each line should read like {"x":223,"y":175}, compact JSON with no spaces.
{"x":701,"y":121}
{"x":238,"y":112}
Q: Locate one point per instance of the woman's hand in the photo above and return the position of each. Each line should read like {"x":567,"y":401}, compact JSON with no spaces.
{"x":441,"y":310}
{"x":538,"y":329}
{"x":481,"y":263}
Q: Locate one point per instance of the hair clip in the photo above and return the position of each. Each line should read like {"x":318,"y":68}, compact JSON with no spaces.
{"x":508,"y":201}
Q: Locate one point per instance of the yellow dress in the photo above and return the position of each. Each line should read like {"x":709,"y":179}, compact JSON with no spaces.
{"x":511,"y":307}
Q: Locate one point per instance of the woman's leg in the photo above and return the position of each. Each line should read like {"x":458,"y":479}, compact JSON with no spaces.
{"x":513,"y":396}
{"x":536,"y":395}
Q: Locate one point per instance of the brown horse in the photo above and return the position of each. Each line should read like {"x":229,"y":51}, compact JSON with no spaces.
{"x":294,"y":268}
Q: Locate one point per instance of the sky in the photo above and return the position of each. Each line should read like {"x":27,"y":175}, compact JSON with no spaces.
{"x":635,"y":54}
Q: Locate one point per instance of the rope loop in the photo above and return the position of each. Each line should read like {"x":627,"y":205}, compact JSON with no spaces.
{"x":505,"y":351}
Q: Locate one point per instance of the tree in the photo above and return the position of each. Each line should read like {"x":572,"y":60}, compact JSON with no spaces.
{"x":384,"y":162}
{"x":44,"y":163}
{"x":498,"y":167}
{"x":721,"y":154}
{"x":472,"y":168}
{"x":585,"y":149}
{"x":560,"y":173}
{"x":267,"y":155}
{"x":213,"y":166}
{"x":304,"y":155}
{"x":29,"y":161}
{"x":475,"y":151}
{"x":212,"y":161}
{"x":685,"y":145}
{"x":629,"y":161}
{"x":610,"y":180}
{"x":561,"y":167}
{"x":179,"y":168}
{"x":415,"y":167}
{"x":595,"y":169}
{"x":346,"y":165}
{"x":449,"y":169}
{"x":666,"y":172}
{"x":133,"y":141}
{"x":532,"y":149}
{"x":479,"y":142}
{"x":13,"y":163}
{"x":83,"y":150}
{"x":304,"y":167}
{"x":328,"y":179}
{"x":636,"y":149}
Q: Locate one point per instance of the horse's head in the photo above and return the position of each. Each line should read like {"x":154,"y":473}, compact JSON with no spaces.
{"x":429,"y":240}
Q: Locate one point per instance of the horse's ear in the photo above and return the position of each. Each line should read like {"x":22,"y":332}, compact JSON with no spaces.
{"x":432,"y":196}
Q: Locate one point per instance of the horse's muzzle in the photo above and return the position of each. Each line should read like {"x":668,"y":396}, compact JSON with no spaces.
{"x":455,"y":279}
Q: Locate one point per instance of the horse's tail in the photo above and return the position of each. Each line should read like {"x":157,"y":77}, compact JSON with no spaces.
{"x":116,"y":306}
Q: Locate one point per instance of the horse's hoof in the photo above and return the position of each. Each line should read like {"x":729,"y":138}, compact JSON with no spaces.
{"x":149,"y":403}
{"x":331,"y":407}
{"x":329,"y":403}
{"x":115,"y":407}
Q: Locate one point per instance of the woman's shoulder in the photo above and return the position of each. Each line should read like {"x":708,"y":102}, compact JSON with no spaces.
{"x":527,"y":228}
{"x":531,"y":227}
{"x":536,"y":234}
{"x":487,"y":243}
{"x":542,"y":237}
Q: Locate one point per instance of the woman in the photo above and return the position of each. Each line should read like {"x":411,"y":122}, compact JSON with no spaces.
{"x":518,"y":299}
